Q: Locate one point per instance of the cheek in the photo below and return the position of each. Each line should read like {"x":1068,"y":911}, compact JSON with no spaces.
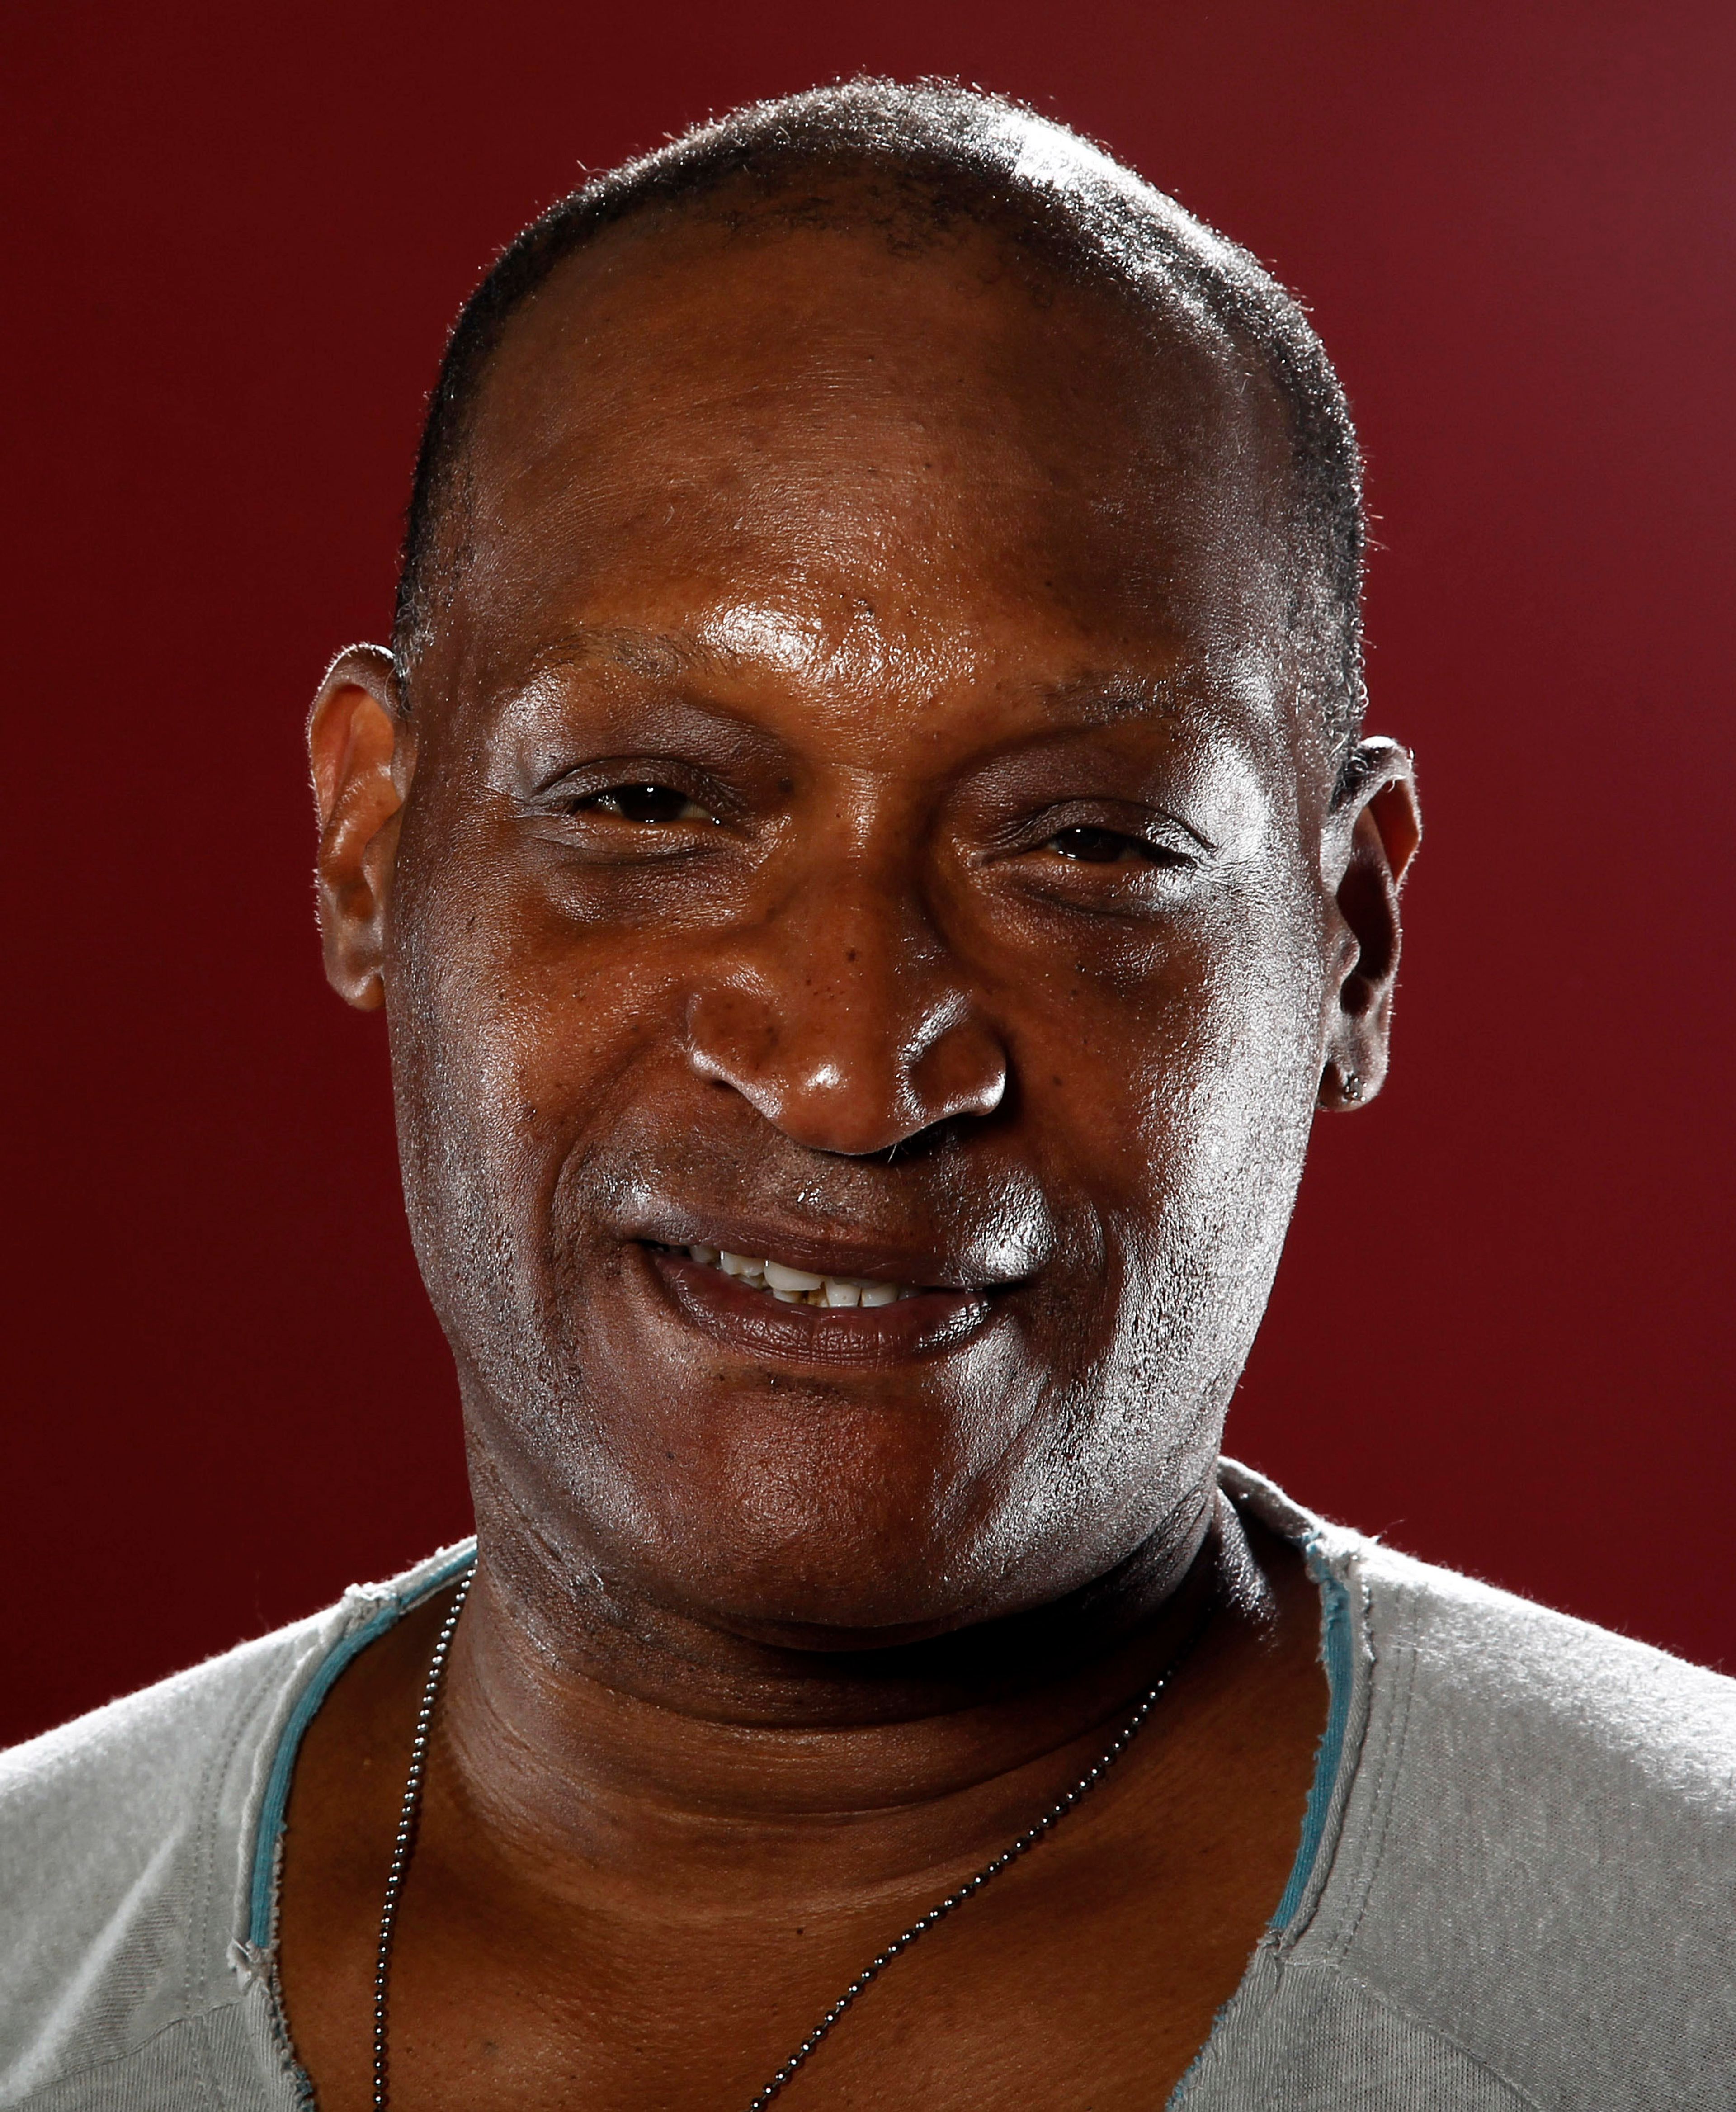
{"x":1206,"y":1023}
{"x":1232,"y":1141}
{"x":1182,"y":1073}
{"x":506,"y":1037}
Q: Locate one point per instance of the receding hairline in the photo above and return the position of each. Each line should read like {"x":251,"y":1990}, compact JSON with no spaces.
{"x":675,"y":247}
{"x":920,"y":167}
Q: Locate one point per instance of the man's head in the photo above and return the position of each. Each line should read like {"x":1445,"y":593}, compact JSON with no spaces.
{"x":869,"y":781}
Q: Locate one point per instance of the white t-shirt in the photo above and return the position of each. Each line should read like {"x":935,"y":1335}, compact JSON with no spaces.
{"x":1516,"y":1885}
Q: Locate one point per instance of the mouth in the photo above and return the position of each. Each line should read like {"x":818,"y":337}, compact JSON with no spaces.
{"x":790,"y":1286}
{"x":785,"y":1309}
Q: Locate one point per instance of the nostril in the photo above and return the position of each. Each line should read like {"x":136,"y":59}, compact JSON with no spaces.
{"x":855,"y":1080}
{"x":963,"y":1070}
{"x":929,"y":1143}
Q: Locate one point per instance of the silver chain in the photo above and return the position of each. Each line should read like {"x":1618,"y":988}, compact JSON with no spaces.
{"x":405,"y":1840}
{"x":971,"y":1886}
{"x":405,"y":1843}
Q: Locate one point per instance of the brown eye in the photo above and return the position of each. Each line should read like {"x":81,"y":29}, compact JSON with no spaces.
{"x":1094,"y":846}
{"x":651,"y":803}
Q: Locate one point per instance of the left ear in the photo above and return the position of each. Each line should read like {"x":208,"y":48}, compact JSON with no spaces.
{"x":1371,"y":839}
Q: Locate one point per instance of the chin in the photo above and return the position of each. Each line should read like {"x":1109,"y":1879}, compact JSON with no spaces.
{"x":810,"y":1570}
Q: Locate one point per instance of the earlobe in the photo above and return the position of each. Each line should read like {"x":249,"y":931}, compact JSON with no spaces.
{"x":361,"y":752}
{"x":1380,"y":829}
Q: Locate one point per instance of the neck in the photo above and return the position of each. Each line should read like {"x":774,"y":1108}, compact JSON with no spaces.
{"x":586,"y":1726}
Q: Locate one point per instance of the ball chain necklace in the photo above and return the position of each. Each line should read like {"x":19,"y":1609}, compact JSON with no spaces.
{"x":404,"y":1844}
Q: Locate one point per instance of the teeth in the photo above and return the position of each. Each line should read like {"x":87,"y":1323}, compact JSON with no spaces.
{"x":781,"y":1278}
{"x":801,"y":1287}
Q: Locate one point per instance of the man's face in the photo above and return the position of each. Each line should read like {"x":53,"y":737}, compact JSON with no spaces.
{"x":863,"y":816}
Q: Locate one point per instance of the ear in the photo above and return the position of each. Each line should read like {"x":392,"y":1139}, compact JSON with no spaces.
{"x":1372,"y":837}
{"x":363,"y":754}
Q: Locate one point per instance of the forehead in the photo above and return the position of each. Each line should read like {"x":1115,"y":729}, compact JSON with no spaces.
{"x":934,"y":450}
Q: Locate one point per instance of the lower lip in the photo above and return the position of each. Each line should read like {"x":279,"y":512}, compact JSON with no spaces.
{"x":733,"y":1311}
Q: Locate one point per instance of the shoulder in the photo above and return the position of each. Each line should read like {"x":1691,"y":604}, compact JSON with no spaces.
{"x":118,"y":1836}
{"x":1517,"y":1886}
{"x":137,"y":1765}
{"x":1521,"y":1681}
{"x":1509,"y":1706}
{"x":1538,"y":1856}
{"x":129,"y":1841}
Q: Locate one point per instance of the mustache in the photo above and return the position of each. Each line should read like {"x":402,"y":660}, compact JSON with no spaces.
{"x":963,"y":1206}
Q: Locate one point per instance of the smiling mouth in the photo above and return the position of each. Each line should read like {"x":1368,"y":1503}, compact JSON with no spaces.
{"x":774,"y":1308}
{"x":786,"y":1285}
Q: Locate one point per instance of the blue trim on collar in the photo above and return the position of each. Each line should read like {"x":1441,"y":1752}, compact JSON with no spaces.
{"x":1336,"y":1654}
{"x":273,"y":1810}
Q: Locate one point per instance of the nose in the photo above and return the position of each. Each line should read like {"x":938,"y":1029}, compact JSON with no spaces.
{"x":844,"y":1020}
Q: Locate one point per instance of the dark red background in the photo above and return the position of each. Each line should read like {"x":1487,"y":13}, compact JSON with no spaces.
{"x":1502,"y":1332}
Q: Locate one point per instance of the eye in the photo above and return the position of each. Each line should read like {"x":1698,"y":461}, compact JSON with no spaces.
{"x":1088,"y":846}
{"x":651,"y":805}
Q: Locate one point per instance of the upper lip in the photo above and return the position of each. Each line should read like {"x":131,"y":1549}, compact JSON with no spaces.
{"x":880,"y":1260}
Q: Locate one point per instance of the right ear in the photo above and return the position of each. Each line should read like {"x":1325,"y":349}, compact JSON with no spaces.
{"x":363,"y":754}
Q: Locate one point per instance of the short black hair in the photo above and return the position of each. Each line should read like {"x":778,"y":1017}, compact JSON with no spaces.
{"x":932,"y":153}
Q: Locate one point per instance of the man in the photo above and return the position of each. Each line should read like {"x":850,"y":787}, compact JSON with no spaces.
{"x":867,"y":845}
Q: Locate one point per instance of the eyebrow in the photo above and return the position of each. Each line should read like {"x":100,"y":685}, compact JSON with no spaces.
{"x":654,"y":653}
{"x":1091,"y":696}
{"x":1105,"y":697}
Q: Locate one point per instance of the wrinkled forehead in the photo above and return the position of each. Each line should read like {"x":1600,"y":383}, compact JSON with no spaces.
{"x":932,"y":438}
